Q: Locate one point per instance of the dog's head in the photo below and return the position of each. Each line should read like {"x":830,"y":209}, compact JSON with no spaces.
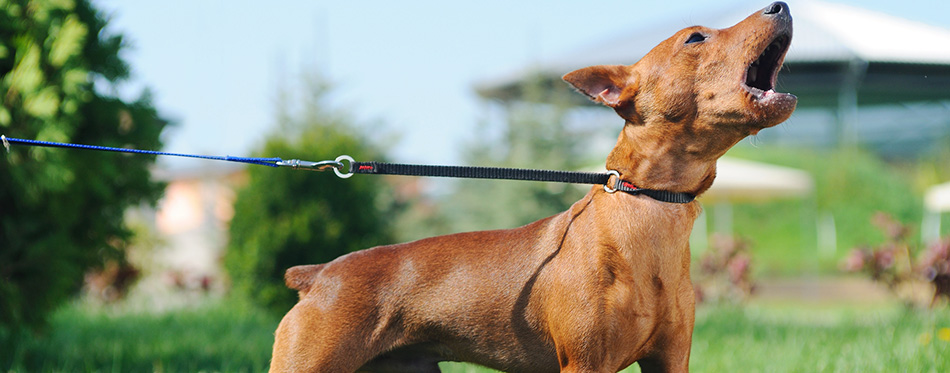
{"x":706,"y":82}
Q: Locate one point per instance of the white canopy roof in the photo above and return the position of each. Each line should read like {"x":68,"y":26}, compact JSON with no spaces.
{"x":826,"y":31}
{"x":937,"y":198}
{"x":740,"y":180}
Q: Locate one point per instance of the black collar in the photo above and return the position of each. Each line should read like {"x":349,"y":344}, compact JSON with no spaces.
{"x":659,"y":195}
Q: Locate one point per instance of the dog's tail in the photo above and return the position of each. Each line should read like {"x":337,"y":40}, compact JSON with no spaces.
{"x":300,"y":278}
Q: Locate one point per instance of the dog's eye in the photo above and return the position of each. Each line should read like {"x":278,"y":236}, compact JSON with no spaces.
{"x":695,"y":38}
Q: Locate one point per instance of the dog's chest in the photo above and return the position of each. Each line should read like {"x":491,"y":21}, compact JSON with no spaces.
{"x":645,"y":256}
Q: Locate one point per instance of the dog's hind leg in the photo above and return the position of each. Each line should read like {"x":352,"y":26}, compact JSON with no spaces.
{"x":308,"y":341}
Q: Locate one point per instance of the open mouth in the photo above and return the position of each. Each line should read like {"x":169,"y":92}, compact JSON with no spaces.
{"x":761,"y":74}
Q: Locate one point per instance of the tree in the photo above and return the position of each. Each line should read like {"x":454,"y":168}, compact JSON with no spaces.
{"x":289,"y":217}
{"x":61,"y":212}
{"x":536,"y":133}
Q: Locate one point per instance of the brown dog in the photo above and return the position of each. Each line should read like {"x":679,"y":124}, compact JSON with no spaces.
{"x":593,"y":289}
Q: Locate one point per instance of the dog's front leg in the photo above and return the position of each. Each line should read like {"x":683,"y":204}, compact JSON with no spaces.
{"x":672,"y":351}
{"x":587,"y":348}
{"x":676,"y":361}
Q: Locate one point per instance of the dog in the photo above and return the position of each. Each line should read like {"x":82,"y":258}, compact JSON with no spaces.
{"x":593,"y":289}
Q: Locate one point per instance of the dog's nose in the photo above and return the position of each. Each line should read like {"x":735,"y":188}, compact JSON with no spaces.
{"x":776,"y":8}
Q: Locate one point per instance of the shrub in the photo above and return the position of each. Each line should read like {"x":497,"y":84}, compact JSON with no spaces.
{"x":934,"y":265}
{"x":725,"y":271}
{"x":287,"y":217}
{"x":891,"y":263}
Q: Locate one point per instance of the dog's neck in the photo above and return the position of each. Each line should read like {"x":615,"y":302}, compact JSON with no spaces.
{"x":658,"y":157}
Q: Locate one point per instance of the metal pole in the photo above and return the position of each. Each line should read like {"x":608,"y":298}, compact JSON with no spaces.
{"x":847,"y":112}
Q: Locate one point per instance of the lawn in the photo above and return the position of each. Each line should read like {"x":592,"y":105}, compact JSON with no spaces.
{"x":774,"y":337}
{"x":209,"y":337}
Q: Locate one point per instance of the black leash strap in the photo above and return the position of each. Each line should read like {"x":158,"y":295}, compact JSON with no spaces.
{"x":380,"y":168}
{"x":594,"y":178}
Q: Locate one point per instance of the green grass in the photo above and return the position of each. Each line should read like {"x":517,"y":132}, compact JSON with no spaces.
{"x":206,"y":338}
{"x":759,"y":337}
{"x":820,"y":339}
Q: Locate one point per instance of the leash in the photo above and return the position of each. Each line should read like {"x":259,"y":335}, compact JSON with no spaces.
{"x":573,"y":177}
{"x":344,"y":167}
{"x":271,"y":162}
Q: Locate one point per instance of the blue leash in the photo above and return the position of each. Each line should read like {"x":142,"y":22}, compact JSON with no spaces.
{"x":336,"y":165}
{"x":381,"y":168}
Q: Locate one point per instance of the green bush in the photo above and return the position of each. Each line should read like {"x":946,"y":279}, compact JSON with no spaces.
{"x":287,"y":217}
{"x":61,"y":211}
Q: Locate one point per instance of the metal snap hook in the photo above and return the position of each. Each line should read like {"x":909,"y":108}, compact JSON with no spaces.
{"x":312,"y":166}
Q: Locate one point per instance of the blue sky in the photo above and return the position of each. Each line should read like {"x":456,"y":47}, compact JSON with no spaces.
{"x":216,"y":66}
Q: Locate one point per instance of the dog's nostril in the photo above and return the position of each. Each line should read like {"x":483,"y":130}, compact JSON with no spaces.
{"x":776,"y":8}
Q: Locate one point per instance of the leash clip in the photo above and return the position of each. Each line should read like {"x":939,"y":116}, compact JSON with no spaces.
{"x":607,"y":187}
{"x":312,"y":166}
{"x":336,"y":165}
{"x":6,"y":144}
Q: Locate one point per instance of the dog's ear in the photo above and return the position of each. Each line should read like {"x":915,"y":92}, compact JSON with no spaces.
{"x":608,"y":84}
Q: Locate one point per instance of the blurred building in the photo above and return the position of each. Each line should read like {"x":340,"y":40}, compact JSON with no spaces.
{"x":861,"y":77}
{"x":187,"y":230}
